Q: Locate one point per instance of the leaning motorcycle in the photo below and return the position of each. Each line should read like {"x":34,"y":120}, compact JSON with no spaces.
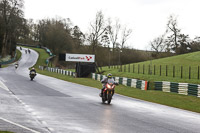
{"x":32,"y":75}
{"x":108,"y":91}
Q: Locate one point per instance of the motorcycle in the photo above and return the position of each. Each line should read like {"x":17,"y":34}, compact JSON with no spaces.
{"x":108,"y":92}
{"x":32,"y":75}
{"x":16,"y":66}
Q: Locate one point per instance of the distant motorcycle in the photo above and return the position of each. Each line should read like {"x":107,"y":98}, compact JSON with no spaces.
{"x":16,"y":66}
{"x":32,"y":75}
{"x":108,"y":92}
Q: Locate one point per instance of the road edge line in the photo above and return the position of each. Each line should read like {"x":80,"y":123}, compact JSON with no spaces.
{"x":19,"y":125}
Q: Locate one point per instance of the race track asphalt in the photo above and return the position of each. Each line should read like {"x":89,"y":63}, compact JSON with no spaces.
{"x":50,"y":105}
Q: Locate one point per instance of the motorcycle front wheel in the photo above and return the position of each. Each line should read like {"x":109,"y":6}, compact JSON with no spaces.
{"x":103,"y":98}
{"x":109,"y":98}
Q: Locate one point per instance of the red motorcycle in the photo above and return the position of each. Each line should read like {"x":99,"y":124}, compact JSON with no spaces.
{"x":108,"y":92}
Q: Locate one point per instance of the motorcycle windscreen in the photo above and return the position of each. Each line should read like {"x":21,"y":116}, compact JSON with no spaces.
{"x":111,"y":81}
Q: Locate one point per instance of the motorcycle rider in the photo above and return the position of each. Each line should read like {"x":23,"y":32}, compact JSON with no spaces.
{"x":105,"y":81}
{"x":32,"y":70}
{"x":29,"y":51}
{"x":16,"y":65}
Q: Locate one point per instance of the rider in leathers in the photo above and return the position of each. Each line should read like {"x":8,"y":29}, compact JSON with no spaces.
{"x":32,"y":70}
{"x":104,"y":82}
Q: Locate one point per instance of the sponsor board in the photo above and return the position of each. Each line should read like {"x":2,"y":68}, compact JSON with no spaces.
{"x":80,"y":58}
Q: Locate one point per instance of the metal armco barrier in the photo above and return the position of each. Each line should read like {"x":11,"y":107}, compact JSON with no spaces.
{"x":180,"y":88}
{"x":140,"y":84}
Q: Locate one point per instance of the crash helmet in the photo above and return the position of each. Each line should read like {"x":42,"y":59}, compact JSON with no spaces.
{"x":109,"y":75}
{"x":33,"y":68}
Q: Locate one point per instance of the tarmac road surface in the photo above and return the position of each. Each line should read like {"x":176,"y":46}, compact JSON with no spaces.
{"x":49,"y":105}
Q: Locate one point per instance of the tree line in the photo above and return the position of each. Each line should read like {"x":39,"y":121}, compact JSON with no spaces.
{"x":106,"y":37}
{"x":174,"y":41}
{"x":12,"y":25}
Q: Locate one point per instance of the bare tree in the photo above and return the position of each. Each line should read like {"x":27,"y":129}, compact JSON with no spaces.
{"x":125,"y":36}
{"x":158,"y":44}
{"x":97,"y":29}
{"x":113,"y":31}
{"x":172,"y":26}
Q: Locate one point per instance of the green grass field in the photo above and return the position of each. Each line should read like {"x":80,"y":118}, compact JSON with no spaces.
{"x":171,"y":69}
{"x":170,"y":99}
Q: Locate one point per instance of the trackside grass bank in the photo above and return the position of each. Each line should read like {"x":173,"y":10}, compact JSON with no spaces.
{"x":182,"y":68}
{"x":170,"y":99}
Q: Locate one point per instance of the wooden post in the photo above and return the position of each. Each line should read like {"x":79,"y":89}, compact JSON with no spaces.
{"x":149,"y":70}
{"x":138,"y":68}
{"x":143,"y":68}
{"x":181,"y":71}
{"x":189,"y":72}
{"x":160,"y":70}
{"x":198,"y":72}
{"x":173,"y":71}
{"x":124,"y":68}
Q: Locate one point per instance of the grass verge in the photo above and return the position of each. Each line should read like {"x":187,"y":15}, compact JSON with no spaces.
{"x":18,"y":56}
{"x":190,"y":103}
{"x":183,"y":68}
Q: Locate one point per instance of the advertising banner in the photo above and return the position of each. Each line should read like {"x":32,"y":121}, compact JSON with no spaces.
{"x":80,"y":58}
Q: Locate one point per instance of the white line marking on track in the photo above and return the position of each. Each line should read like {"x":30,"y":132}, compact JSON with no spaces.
{"x":2,"y":85}
{"x":2,"y":80}
{"x":44,"y":123}
{"x":34,"y":113}
{"x":19,"y":125}
{"x":51,"y":129}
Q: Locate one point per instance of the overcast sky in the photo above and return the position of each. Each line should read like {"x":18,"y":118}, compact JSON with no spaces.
{"x":147,"y":18}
